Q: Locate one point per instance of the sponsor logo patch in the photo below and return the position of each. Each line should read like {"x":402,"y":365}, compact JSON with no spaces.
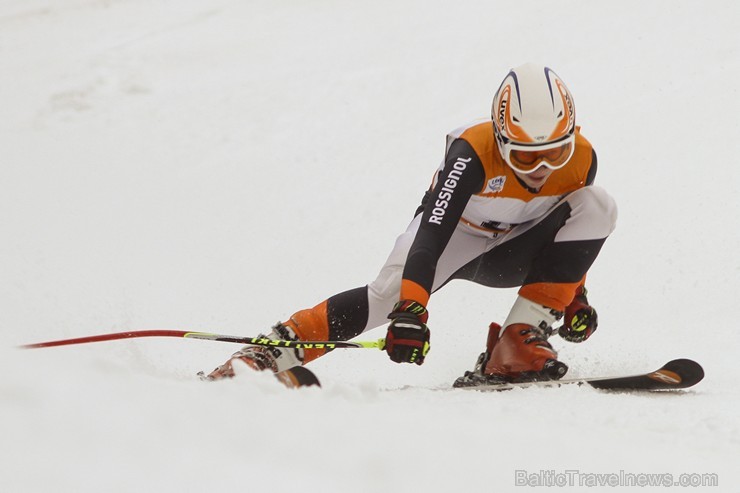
{"x":496,"y":184}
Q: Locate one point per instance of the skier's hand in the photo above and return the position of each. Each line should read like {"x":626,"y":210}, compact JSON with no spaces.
{"x":580,"y":319}
{"x":408,"y":335}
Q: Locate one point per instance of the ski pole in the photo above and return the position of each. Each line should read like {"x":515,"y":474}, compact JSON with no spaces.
{"x":254,"y":341}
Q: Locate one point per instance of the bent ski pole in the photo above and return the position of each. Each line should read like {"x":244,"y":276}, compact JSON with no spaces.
{"x":254,"y":341}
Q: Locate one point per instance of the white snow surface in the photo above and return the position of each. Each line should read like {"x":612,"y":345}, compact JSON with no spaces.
{"x":217,"y":165}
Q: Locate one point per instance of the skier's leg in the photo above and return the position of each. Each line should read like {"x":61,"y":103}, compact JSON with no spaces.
{"x":561,"y":266}
{"x":348,"y":314}
{"x":548,"y":257}
{"x":549,"y":260}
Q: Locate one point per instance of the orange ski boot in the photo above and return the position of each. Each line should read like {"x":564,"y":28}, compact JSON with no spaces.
{"x":521,"y":353}
{"x":262,"y":358}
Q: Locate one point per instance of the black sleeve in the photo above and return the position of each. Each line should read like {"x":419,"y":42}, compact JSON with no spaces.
{"x":592,"y":170}
{"x":461,"y":177}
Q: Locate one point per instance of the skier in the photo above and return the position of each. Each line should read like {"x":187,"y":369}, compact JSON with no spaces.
{"x":511,"y":205}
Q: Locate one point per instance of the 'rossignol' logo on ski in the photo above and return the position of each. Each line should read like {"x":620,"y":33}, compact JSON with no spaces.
{"x":445,"y":194}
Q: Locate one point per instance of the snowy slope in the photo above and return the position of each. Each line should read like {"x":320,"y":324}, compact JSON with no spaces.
{"x":218,"y":165}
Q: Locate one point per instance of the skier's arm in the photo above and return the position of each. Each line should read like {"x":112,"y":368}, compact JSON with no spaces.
{"x":461,"y":177}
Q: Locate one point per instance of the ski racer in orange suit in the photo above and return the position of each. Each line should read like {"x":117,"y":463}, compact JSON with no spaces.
{"x":513,"y":204}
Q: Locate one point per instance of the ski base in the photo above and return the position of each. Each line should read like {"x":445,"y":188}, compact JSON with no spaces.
{"x":674,"y":375}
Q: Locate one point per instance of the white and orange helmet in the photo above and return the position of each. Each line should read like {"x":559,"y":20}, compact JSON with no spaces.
{"x":534,"y":119}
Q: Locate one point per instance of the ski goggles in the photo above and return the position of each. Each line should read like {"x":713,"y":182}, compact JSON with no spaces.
{"x":527,"y":158}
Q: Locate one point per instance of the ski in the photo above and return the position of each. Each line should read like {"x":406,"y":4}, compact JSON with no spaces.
{"x":292,"y":378}
{"x":674,"y":375}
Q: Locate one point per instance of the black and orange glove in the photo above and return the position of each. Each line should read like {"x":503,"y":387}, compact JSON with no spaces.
{"x":408,"y":335}
{"x":580,"y":319}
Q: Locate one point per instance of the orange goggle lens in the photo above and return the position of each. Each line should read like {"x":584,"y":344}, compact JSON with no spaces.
{"x":529,"y":160}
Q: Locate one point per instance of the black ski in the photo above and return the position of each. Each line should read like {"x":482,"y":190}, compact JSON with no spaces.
{"x":674,"y":375}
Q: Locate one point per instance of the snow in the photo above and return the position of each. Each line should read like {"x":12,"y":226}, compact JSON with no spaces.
{"x":218,"y":165}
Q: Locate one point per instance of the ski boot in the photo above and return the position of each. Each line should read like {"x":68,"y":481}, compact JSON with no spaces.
{"x":522,"y":354}
{"x":284,"y":363}
{"x":519,"y":352}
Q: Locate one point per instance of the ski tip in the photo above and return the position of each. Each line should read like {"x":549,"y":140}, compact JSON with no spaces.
{"x":298,"y":377}
{"x":688,"y":371}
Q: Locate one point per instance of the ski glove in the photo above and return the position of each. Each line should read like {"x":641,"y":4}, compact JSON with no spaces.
{"x":408,"y":335}
{"x":580,"y":320}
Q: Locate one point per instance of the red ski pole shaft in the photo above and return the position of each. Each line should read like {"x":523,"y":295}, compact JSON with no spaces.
{"x":107,"y":337}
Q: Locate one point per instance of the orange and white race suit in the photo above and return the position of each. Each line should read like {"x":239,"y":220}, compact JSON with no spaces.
{"x":479,"y":222}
